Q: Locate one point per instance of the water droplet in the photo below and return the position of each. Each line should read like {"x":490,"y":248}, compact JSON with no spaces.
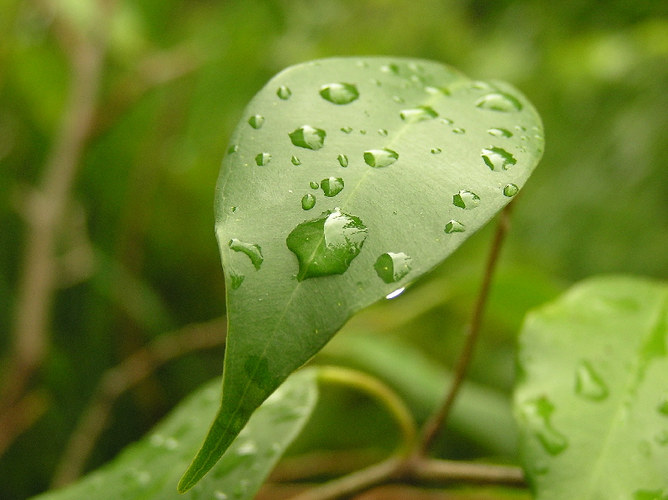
{"x":436,"y":151}
{"x":308,"y":137}
{"x":588,"y":383}
{"x":219,"y":495}
{"x":390,"y":68}
{"x":327,"y":245}
{"x":497,"y":158}
{"x":331,"y":186}
{"x":537,"y":414}
{"x":454,"y":226}
{"x":232,"y":149}
{"x":467,"y":200}
{"x":284,"y":92}
{"x":253,"y":251}
{"x":446,"y":121}
{"x":236,"y":280}
{"x":262,"y":159}
{"x":242,"y":488}
{"x":343,"y":160}
{"x":391,"y":267}
{"x":339,"y":93}
{"x":380,"y":157}
{"x":308,"y":201}
{"x":395,"y":293}
{"x":247,"y":448}
{"x":171,"y":443}
{"x":458,"y":130}
{"x":397,"y":99}
{"x":256,"y":121}
{"x":663,"y":406}
{"x":419,"y":114}
{"x":157,"y":440}
{"x":499,"y":101}
{"x":346,"y":130}
{"x":382,"y":132}
{"x":500,"y":132}
{"x":510,"y":190}
{"x":314,"y":185}
{"x":295,"y":161}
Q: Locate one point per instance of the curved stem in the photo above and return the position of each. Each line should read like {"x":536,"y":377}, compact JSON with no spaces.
{"x":437,"y":421}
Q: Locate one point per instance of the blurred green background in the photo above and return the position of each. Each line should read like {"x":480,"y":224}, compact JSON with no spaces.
{"x":133,"y":254}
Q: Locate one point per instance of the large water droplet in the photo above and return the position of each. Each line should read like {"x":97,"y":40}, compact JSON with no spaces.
{"x":253,"y":251}
{"x":308,"y":137}
{"x":510,"y":190}
{"x":500,"y":132}
{"x":295,"y":161}
{"x":499,"y":101}
{"x":391,"y":267}
{"x":283,"y":92}
{"x":262,"y":159}
{"x":395,"y":293}
{"x":537,"y":414}
{"x":308,"y":201}
{"x":331,"y":186}
{"x":339,"y":93}
{"x":497,"y":158}
{"x":454,"y":226}
{"x":380,"y":157}
{"x":465,"y":199}
{"x":588,"y":383}
{"x":327,"y":245}
{"x":419,"y":114}
{"x":343,"y":160}
{"x":256,"y":121}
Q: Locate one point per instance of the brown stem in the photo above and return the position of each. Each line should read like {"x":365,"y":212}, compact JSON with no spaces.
{"x":450,"y":471}
{"x":437,"y":421}
{"x":21,"y":416}
{"x":122,"y":377}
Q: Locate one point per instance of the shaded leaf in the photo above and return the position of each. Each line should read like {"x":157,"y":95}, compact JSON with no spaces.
{"x":592,"y":401}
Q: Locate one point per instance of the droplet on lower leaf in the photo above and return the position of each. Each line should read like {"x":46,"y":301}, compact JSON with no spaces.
{"x":500,"y":132}
{"x":454,"y":226}
{"x":346,"y":130}
{"x":253,"y":251}
{"x":283,"y":92}
{"x":589,"y":384}
{"x":343,"y":160}
{"x":380,"y":157}
{"x":308,"y":201}
{"x":314,"y":185}
{"x":327,"y":245}
{"x":391,"y":266}
{"x":339,"y":93}
{"x":497,"y":158}
{"x":436,"y":151}
{"x":262,"y":159}
{"x":331,"y":186}
{"x":537,"y":413}
{"x":308,"y":137}
{"x":256,"y":121}
{"x":465,"y":199}
{"x":382,"y":132}
{"x":510,"y":190}
{"x":232,"y":149}
{"x":419,"y":114}
{"x":295,"y":161}
{"x":499,"y":101}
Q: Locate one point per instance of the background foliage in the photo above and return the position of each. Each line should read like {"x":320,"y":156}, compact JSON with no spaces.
{"x":135,"y":256}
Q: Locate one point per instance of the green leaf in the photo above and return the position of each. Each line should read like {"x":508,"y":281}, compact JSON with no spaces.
{"x":348,"y":179}
{"x":592,"y":401}
{"x":150,"y":469}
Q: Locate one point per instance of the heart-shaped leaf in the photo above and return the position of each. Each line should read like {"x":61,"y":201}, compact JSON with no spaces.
{"x":150,"y":469}
{"x":346,"y":180}
{"x":592,"y":402}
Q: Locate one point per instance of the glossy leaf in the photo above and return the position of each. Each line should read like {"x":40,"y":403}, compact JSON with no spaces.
{"x":151,"y":468}
{"x":592,"y":401}
{"x":392,"y":152}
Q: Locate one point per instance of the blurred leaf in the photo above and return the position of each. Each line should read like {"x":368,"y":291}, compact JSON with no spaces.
{"x":592,"y":402}
{"x":151,"y":468}
{"x":411,"y":157}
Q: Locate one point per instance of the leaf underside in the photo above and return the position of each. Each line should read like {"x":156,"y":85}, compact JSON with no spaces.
{"x":345,"y":180}
{"x":592,"y":401}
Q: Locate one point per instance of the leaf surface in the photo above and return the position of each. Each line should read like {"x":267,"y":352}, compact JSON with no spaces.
{"x":150,"y":469}
{"x":592,"y":401}
{"x":345,"y":180}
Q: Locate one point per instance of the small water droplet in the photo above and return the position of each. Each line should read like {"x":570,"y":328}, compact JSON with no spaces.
{"x":390,"y":68}
{"x":327,"y":245}
{"x":314,"y":185}
{"x":419,"y":114}
{"x":256,"y":121}
{"x":391,"y":266}
{"x":588,"y":383}
{"x":308,"y":137}
{"x":339,"y":93}
{"x":537,"y":413}
{"x":436,"y":151}
{"x":236,"y":280}
{"x":247,"y":448}
{"x":395,"y":293}
{"x":497,"y":158}
{"x":171,"y":443}
{"x":499,"y":101}
{"x":331,"y":186}
{"x":382,"y":132}
{"x":262,"y":159}
{"x":510,"y":190}
{"x":454,"y":226}
{"x":295,"y":161}
{"x":234,"y":209}
{"x":253,"y":251}
{"x":232,"y":149}
{"x":446,"y":121}
{"x":219,"y":495}
{"x":284,"y":92}
{"x":397,"y":99}
{"x":380,"y":157}
{"x":500,"y":132}
{"x":343,"y":160}
{"x":363,"y":132}
{"x":308,"y":201}
{"x":465,"y":199}
{"x":346,"y":130}
{"x":242,"y":488}
{"x":376,"y":82}
{"x":458,"y":130}
{"x":157,"y":440}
